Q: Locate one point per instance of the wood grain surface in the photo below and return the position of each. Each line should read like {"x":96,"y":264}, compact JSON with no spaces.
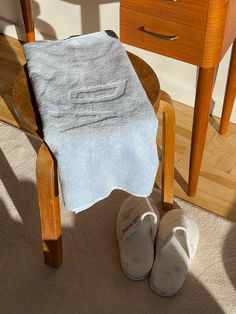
{"x":48,"y":195}
{"x":188,"y":47}
{"x":189,"y":12}
{"x":27,"y":12}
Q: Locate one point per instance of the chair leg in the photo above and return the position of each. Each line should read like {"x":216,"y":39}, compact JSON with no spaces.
{"x":47,"y":185}
{"x":27,"y":12}
{"x":168,"y":150}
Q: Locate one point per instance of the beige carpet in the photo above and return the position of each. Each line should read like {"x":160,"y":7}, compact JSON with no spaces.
{"x":90,"y":280}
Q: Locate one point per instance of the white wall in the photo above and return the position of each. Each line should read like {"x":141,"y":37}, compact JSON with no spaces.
{"x":63,"y":18}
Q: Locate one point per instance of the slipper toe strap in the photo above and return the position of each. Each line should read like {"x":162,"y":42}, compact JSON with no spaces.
{"x":178,"y":219}
{"x":141,"y":209}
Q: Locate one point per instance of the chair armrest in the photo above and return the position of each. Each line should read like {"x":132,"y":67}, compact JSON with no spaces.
{"x":168,"y":147}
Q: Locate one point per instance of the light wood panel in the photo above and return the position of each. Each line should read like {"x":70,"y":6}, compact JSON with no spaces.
{"x":189,"y":12}
{"x":230,"y":26}
{"x":215,"y":30}
{"x":217,"y":182}
{"x":187,"y":47}
{"x":48,"y":195}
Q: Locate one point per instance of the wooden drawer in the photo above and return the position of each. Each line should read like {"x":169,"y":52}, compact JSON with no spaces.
{"x":189,"y":12}
{"x":187,"y":47}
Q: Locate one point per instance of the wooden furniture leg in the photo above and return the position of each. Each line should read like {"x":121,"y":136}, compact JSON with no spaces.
{"x":168,"y":149}
{"x":229,"y":93}
{"x":47,"y":185}
{"x":27,"y":12}
{"x":200,"y":122}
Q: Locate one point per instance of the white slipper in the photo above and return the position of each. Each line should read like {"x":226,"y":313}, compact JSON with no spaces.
{"x":176,"y":245}
{"x":137,"y":225}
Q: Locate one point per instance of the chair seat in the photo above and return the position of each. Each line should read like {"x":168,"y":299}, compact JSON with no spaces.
{"x":26,"y":108}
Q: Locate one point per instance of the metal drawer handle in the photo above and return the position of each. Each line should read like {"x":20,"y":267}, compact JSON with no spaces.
{"x":173,"y":0}
{"x":159,"y":36}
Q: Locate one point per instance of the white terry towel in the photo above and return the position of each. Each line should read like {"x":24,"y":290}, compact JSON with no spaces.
{"x":96,"y":117}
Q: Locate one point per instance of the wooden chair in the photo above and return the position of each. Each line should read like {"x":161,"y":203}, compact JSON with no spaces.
{"x":46,"y":167}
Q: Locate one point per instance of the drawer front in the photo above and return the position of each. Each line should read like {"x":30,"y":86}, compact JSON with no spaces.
{"x":165,"y":37}
{"x":189,"y":12}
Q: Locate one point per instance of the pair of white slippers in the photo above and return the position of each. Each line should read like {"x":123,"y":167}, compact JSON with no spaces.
{"x":162,"y":248}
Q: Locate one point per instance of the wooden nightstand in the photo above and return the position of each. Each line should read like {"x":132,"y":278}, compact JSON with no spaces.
{"x":197,"y":32}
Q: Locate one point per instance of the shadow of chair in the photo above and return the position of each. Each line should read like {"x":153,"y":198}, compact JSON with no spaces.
{"x":46,"y":167}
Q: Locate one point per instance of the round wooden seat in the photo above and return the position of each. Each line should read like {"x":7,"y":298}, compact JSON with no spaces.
{"x":26,"y":108}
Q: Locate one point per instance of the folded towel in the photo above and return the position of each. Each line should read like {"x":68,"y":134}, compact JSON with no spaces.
{"x":96,"y":117}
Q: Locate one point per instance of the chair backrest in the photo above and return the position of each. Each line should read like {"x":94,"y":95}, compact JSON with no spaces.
{"x":24,"y":103}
